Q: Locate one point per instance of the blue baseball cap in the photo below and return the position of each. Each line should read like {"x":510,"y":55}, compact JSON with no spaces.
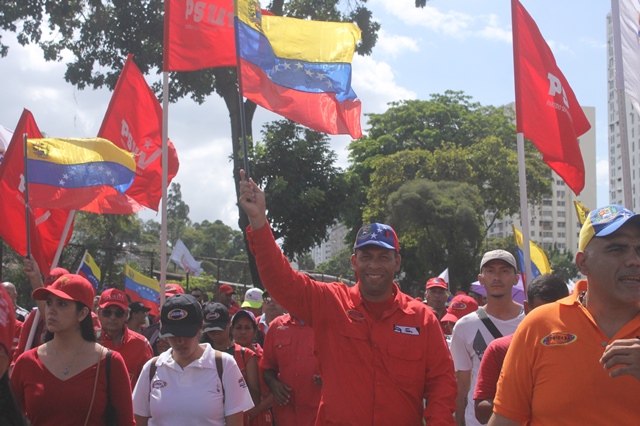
{"x":602,"y":222}
{"x":377,"y":234}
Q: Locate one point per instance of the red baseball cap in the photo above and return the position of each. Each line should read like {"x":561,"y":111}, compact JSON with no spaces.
{"x":173,"y":289}
{"x":460,"y":305}
{"x":54,"y":274}
{"x":227,"y":289}
{"x":113,"y":296}
{"x":437,"y":282}
{"x":68,"y":287}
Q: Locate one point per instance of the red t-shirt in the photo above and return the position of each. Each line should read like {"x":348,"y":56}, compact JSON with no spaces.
{"x":47,"y":400}
{"x":288,"y":349}
{"x":490,"y":367}
{"x":135,"y":350}
{"x":373,"y":371}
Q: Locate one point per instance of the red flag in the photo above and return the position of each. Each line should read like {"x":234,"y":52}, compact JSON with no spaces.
{"x":198,"y":35}
{"x":134,"y":122}
{"x":46,"y":225}
{"x":547,"y":111}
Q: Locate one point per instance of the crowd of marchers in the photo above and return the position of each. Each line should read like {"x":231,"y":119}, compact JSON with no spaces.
{"x":305,"y":352}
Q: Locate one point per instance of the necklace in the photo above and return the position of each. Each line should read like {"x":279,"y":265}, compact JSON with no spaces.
{"x":65,"y":370}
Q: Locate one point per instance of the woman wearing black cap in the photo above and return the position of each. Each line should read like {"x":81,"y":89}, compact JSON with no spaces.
{"x":185,"y":382}
{"x":64,"y":381}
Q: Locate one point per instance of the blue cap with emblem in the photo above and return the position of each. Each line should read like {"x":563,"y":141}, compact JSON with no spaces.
{"x":181,"y":316}
{"x":602,"y":222}
{"x":377,"y":234}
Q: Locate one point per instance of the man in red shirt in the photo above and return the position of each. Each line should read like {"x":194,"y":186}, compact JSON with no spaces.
{"x":381,"y":353}
{"x":115,"y":335}
{"x":291,"y":372}
{"x":436,"y":294}
{"x":226,"y":298}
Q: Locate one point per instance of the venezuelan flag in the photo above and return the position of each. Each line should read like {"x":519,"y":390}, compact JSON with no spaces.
{"x":141,"y":288}
{"x":582,"y":211}
{"x":72,"y":174}
{"x":539,"y":261}
{"x":300,"y":69}
{"x":90,"y":270}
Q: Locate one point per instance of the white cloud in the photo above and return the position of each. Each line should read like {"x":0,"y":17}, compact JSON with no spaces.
{"x":393,"y":44}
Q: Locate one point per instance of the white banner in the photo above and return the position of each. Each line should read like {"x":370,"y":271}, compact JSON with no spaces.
{"x":181,"y":256}
{"x":5,"y":138}
{"x":630,"y":40}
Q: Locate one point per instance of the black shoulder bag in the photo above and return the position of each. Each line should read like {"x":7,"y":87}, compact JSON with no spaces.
{"x":110,"y":414}
{"x":488,"y":323}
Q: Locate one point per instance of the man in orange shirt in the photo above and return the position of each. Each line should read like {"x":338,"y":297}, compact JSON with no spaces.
{"x":381,"y":353}
{"x":577,"y":361}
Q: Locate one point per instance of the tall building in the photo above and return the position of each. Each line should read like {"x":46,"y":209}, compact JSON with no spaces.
{"x":555,"y":220}
{"x":332,"y":246}
{"x":616,"y":185}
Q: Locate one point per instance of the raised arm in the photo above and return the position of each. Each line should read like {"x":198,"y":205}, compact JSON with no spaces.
{"x":252,"y":202}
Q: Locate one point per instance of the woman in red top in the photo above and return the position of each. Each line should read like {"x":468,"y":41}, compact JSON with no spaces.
{"x":217,"y":334}
{"x":64,"y":381}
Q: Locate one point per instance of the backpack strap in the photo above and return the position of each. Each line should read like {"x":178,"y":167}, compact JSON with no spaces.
{"x":488,"y":323}
{"x":108,"y":369}
{"x":218,"y":355}
{"x":153,"y":368}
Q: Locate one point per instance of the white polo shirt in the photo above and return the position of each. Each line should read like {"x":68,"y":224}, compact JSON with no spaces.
{"x":192,"y":395}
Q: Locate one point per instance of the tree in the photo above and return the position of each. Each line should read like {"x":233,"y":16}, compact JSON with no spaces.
{"x":306,"y":263}
{"x":445,"y":138}
{"x":177,"y":214}
{"x":562,"y":263}
{"x":303,"y":187}
{"x":339,"y":265}
{"x":440,"y":226}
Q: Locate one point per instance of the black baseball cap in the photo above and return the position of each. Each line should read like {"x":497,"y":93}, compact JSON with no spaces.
{"x":138,"y":307}
{"x":216,"y":317}
{"x":181,"y":316}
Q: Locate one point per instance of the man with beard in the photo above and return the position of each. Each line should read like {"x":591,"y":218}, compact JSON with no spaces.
{"x":473,"y":332}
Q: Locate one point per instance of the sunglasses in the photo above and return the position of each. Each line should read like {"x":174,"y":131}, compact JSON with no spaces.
{"x":119,"y":313}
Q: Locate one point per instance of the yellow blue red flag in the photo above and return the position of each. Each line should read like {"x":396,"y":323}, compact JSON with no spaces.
{"x":80,"y":174}
{"x":141,"y":288}
{"x":539,"y":261}
{"x":300,"y":69}
{"x":582,"y":211}
{"x":89,"y":269}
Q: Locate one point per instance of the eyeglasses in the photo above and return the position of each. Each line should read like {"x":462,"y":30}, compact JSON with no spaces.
{"x":245,"y":328}
{"x":119,"y":313}
{"x":197,"y":296}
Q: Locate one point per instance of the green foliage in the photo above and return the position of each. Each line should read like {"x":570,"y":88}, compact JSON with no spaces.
{"x":304,"y":189}
{"x":305,"y":262}
{"x":439,"y":226}
{"x":339,"y":265}
{"x":177,"y":214}
{"x":562,"y":263}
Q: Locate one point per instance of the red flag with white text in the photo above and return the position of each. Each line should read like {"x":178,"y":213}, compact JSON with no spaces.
{"x":46,"y":225}
{"x":547,"y":111}
{"x":134,"y":122}
{"x":198,"y":35}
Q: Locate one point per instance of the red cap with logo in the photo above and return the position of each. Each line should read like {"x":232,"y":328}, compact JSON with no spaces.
{"x":460,"y":305}
{"x":173,"y":289}
{"x":113,"y":296}
{"x":68,"y":287}
{"x":437,"y":282}
{"x":227,"y":289}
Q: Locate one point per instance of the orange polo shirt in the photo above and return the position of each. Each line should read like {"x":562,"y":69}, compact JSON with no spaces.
{"x":374,"y":372}
{"x":552,"y":374}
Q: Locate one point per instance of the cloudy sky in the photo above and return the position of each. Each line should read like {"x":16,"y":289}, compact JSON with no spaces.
{"x":449,"y":45}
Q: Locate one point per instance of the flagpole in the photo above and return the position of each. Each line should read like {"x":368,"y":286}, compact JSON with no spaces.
{"x":622,"y":105}
{"x":82,"y":261}
{"x":26,"y":193}
{"x":243,"y":127}
{"x":165,"y":166}
{"x":522,"y":176}
{"x":63,"y":238}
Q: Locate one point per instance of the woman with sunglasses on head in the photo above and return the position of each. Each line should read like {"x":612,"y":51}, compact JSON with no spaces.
{"x":190,"y":383}
{"x":64,"y":381}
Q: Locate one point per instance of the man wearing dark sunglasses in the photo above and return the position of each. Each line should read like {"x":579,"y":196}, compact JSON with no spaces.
{"x":135,"y":348}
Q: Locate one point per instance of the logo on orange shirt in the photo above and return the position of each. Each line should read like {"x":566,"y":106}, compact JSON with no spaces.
{"x":558,"y":338}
